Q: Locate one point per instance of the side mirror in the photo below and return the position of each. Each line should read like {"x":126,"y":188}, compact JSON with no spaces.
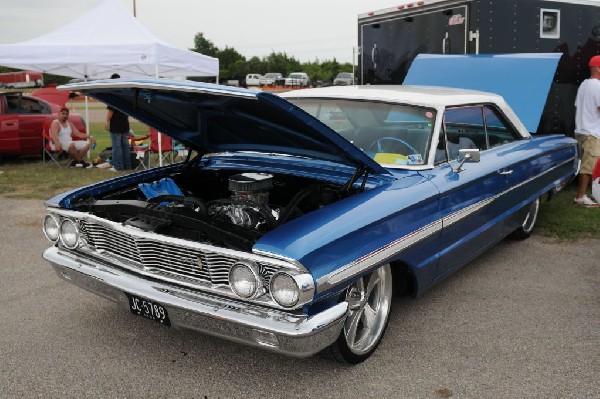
{"x":467,"y":155}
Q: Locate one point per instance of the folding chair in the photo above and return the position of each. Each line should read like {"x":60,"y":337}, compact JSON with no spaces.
{"x":166,"y":143}
{"x":141,"y":150}
{"x":49,"y":154}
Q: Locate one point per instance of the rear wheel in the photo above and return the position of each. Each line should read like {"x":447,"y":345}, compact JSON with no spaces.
{"x":369,"y":300}
{"x":529,"y":221}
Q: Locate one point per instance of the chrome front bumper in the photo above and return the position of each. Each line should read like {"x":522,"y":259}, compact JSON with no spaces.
{"x":289,"y":333}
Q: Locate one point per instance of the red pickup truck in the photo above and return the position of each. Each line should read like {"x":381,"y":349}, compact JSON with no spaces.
{"x":22,"y":119}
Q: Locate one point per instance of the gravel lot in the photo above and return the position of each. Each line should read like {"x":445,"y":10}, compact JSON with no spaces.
{"x":522,"y":321}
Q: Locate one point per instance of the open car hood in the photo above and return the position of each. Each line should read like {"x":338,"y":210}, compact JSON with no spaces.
{"x":210,"y":118}
{"x":523,"y":80}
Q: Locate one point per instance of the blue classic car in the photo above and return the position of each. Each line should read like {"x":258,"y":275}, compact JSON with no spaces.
{"x":295,"y":218}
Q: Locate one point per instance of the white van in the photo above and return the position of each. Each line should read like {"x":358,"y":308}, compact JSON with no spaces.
{"x":253,"y":79}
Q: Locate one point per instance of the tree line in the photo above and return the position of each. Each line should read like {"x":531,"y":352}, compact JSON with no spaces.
{"x":233,"y":65}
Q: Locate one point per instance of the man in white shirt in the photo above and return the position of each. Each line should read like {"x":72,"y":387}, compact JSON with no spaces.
{"x":587,"y":130}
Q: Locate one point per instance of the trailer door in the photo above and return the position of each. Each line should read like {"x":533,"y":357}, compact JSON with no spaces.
{"x":390,"y":45}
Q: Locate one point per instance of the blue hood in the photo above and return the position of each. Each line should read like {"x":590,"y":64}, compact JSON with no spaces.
{"x":522,"y":79}
{"x":210,"y":118}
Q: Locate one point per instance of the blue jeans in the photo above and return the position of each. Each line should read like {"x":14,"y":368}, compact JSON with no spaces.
{"x":121,"y":159}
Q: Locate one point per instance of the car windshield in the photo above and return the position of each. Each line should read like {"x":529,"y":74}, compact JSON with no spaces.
{"x":344,"y":75}
{"x":391,"y":134}
{"x":296,"y":76}
{"x":273,"y":75}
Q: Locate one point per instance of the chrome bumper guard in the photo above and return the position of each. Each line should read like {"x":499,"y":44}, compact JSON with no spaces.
{"x":288,"y":333}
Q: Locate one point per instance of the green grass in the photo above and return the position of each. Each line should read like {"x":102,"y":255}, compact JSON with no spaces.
{"x":28,"y":178}
{"x":561,"y":219}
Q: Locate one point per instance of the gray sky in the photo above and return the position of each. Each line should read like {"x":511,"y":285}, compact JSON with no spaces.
{"x":305,"y":29}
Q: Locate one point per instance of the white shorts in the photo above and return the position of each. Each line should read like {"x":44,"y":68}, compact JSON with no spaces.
{"x":66,"y":143}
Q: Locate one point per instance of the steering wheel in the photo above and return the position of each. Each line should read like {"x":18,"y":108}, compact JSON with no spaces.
{"x":378,"y":142}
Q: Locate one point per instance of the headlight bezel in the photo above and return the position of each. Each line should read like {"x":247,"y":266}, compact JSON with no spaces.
{"x":77,"y":232}
{"x":254,"y":270}
{"x":304,"y":287}
{"x":57,"y":221}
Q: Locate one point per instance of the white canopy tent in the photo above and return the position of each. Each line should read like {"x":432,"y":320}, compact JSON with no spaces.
{"x":106,"y":40}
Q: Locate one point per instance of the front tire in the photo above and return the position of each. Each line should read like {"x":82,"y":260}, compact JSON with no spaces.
{"x":370,"y":301}
{"x":529,"y":221}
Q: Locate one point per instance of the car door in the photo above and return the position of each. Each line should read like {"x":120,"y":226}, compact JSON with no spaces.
{"x":32,"y":114}
{"x":470,"y":198}
{"x":9,"y":125}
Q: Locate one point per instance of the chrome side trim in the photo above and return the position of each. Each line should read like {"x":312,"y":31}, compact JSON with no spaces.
{"x":382,"y":254}
{"x":378,"y":256}
{"x":469,"y":210}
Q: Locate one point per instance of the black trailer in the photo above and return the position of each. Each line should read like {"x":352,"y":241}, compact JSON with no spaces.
{"x":391,"y":38}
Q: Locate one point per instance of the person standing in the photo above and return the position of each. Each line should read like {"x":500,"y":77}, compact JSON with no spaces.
{"x":117,"y":123}
{"x":587,"y":131}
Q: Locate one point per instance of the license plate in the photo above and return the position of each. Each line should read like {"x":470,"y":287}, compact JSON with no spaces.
{"x":148,"y":309}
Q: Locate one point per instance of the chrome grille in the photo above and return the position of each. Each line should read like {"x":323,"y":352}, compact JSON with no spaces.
{"x":166,"y":259}
{"x":114,"y":242}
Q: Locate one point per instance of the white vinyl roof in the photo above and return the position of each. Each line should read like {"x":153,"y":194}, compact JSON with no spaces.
{"x":417,"y":95}
{"x":426,"y":96}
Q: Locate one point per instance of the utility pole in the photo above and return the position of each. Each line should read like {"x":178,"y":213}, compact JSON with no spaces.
{"x":134,"y":9}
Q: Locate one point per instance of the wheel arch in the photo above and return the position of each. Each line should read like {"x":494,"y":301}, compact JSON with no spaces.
{"x":403,"y":279}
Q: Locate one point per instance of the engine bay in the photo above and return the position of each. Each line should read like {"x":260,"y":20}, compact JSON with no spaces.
{"x":232,"y":209}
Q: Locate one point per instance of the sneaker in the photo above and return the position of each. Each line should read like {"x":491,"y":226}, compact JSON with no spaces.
{"x":74,"y":164}
{"x":112,"y":169}
{"x":585,"y":201}
{"x":104,"y":165}
{"x":86,"y":165}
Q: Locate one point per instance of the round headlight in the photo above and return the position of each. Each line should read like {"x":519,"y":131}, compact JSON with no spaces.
{"x":284,"y":290}
{"x":51,"y":224}
{"x":69,"y":234}
{"x":245,"y":280}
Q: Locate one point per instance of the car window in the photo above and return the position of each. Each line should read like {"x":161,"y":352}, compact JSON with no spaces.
{"x":499,"y":131}
{"x":465,"y":128}
{"x":30,"y":106}
{"x":480,"y":127}
{"x":12,"y":104}
{"x":391,"y":134}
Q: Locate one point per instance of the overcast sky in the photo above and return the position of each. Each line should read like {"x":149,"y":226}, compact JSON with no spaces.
{"x":305,"y":29}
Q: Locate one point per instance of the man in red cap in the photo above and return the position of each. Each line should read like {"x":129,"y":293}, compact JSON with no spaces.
{"x":61,"y":132}
{"x":587,"y":130}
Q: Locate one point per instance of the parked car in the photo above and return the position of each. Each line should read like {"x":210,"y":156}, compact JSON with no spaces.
{"x":297,"y":79}
{"x":272,"y":78}
{"x":344,"y":79}
{"x":22,"y":119}
{"x":253,"y":79}
{"x":302,"y":213}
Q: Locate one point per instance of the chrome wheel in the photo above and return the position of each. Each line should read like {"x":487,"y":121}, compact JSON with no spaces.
{"x":531,"y":217}
{"x":369,"y":301}
{"x":529,"y":221}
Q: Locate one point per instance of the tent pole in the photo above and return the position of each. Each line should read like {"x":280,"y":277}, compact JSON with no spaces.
{"x":160,"y":161}
{"x":87,"y":113}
